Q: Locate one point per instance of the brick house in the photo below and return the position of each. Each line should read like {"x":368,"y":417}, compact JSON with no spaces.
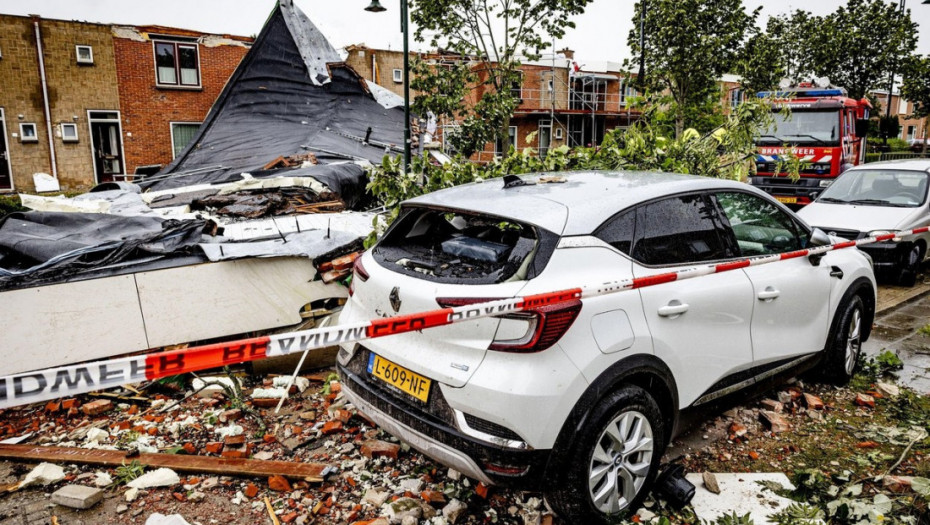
{"x":82,"y":102}
{"x":561,"y":102}
{"x":911,"y":128}
{"x":168,"y":79}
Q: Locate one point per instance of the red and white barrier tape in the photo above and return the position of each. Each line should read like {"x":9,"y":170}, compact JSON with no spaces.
{"x":53,"y":383}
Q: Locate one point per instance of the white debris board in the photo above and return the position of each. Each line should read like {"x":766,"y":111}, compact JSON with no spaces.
{"x":741,"y":494}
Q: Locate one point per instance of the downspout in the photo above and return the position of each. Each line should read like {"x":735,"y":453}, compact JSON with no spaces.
{"x":48,"y":114}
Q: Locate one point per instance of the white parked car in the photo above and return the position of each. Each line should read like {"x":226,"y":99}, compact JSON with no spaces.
{"x":579,"y":400}
{"x":882,"y":197}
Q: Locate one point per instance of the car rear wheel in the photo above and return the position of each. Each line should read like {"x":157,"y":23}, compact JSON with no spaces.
{"x":845,"y":342}
{"x":907,"y":275}
{"x":612,"y":460}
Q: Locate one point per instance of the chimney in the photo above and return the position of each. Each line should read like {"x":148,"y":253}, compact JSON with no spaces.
{"x":568,"y":53}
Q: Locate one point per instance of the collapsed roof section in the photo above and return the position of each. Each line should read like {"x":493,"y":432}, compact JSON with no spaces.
{"x":290,"y":95}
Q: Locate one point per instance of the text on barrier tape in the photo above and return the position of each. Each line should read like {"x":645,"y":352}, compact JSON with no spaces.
{"x":53,"y":383}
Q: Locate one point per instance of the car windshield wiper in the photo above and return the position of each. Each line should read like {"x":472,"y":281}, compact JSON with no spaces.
{"x":772,"y":137}
{"x":877,"y":202}
{"x":831,"y":199}
{"x":820,"y":140}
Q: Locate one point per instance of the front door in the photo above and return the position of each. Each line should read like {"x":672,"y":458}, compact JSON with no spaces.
{"x":6,"y":179}
{"x":790,"y":313}
{"x":107,"y":144}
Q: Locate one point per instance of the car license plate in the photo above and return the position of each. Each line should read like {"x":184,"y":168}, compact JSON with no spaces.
{"x":787,"y":200}
{"x":399,"y":377}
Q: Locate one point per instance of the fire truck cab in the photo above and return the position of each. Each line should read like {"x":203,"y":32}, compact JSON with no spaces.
{"x":826,"y":129}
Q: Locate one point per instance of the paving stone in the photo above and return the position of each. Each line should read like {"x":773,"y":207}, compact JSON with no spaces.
{"x":77,"y":496}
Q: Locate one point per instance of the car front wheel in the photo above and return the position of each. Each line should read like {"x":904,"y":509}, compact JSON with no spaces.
{"x":612,"y":460}
{"x":907,"y":275}
{"x":845,"y":342}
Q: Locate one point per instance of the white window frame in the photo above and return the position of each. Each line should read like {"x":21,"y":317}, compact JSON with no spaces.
{"x":557,"y":133}
{"x":177,"y":68}
{"x":397,"y":75}
{"x":84,"y":61}
{"x":64,"y":136}
{"x":171,"y":127}
{"x":122,"y":141}
{"x":6,"y":141}
{"x":22,"y":134}
{"x":516,"y":138}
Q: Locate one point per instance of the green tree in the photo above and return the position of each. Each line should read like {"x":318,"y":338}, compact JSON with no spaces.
{"x":790,"y":35}
{"x":689,"y":44}
{"x":859,"y":45}
{"x":490,"y":37}
{"x":761,"y":63}
{"x":916,"y":88}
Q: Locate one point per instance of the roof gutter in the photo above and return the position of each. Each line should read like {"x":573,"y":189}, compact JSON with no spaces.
{"x":48,"y":114}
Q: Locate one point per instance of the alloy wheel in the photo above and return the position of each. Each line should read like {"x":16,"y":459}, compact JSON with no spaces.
{"x":853,"y":340}
{"x":620,"y":462}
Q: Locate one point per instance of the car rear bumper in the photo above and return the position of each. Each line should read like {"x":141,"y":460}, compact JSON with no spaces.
{"x":487,"y":463}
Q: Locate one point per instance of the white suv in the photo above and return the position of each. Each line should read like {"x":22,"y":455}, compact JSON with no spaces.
{"x":580,"y":399}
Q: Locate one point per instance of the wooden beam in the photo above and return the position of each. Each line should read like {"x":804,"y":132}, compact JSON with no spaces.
{"x":178,"y":462}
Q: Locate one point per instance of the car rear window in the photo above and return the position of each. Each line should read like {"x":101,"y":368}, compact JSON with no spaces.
{"x":455,"y":246}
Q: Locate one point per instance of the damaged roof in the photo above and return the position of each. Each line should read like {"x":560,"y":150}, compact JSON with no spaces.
{"x":290,"y":95}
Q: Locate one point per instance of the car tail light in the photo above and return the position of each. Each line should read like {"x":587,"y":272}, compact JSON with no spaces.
{"x":547,"y":324}
{"x":358,"y":272}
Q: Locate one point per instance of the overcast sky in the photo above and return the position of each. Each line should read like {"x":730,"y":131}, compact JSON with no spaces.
{"x":600,"y":34}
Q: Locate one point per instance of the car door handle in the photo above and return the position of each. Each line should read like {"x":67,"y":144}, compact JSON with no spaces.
{"x":768,"y":294}
{"x":673,"y":309}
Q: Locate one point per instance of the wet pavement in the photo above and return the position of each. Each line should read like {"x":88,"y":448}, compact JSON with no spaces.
{"x":904,"y":328}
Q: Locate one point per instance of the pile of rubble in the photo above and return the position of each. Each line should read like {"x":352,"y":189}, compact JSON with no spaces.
{"x":234,"y":460}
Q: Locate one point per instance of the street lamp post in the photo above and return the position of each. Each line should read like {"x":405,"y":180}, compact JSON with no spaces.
{"x":376,"y":7}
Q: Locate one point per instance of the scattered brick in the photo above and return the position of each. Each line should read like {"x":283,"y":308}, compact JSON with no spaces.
{"x":251,"y":490}
{"x":234,"y":440}
{"x":332,"y":427}
{"x":775,"y":422}
{"x":380,"y":449}
{"x":867,"y":444}
{"x":68,"y":404}
{"x":214,"y":447}
{"x":774,"y":406}
{"x":97,"y":407}
{"x":482,"y":490}
{"x":813,"y":402}
{"x":865,"y":400}
{"x":279,"y":484}
{"x":53,"y":406}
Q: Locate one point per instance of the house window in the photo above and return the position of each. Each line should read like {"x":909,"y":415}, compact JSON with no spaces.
{"x":398,"y":75}
{"x":28,"y":132}
{"x":902,"y":107}
{"x":69,"y":132}
{"x":177,"y":64}
{"x":85,"y":54}
{"x":499,"y":144}
{"x":182,"y":133}
{"x":911,"y":131}
{"x":516,"y":87}
{"x":736,"y":97}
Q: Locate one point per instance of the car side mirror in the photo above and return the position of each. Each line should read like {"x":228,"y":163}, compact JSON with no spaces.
{"x":818,"y":238}
{"x":862,"y":127}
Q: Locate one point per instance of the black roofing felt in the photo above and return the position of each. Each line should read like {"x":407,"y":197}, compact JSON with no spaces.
{"x":285,"y":99}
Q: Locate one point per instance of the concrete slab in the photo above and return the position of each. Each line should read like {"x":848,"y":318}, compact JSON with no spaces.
{"x":77,"y":496}
{"x":739,"y":493}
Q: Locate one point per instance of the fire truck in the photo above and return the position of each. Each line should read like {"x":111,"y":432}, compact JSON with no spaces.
{"x":826,"y":129}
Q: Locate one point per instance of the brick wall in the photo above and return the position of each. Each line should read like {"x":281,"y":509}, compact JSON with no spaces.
{"x":148,"y":110}
{"x":21,"y":95}
{"x":381,"y":72}
{"x":74,"y":89}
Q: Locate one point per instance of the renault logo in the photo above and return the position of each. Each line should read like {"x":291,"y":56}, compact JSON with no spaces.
{"x":395,"y":299}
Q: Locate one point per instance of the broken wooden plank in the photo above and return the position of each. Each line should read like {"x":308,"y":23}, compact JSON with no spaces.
{"x":181,"y":463}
